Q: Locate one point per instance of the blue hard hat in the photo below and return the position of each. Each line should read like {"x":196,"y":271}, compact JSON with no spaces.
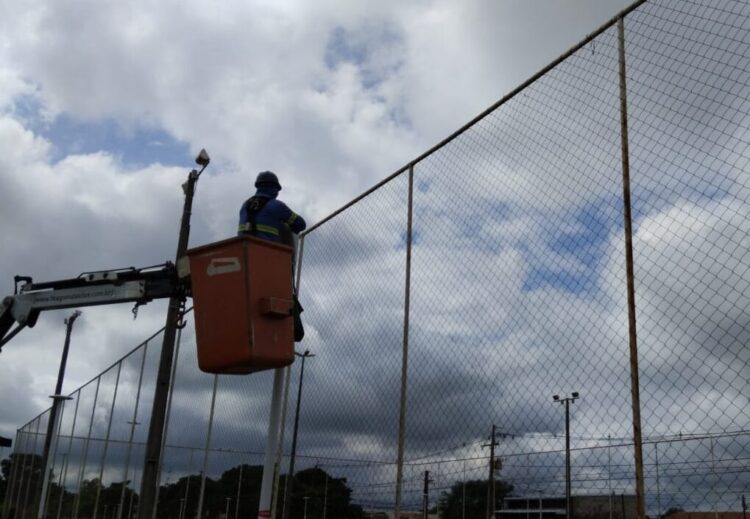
{"x":267,"y":178}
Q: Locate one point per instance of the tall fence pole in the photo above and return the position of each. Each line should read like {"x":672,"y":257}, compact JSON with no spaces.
{"x":632,"y":331}
{"x":239,"y":493}
{"x":133,"y":423}
{"x":199,"y":513}
{"x":31,"y":468}
{"x":106,"y":440}
{"x":300,"y":249}
{"x":13,"y":475}
{"x":67,"y":459}
{"x":63,"y":478}
{"x":658,"y":489}
{"x":77,"y":501}
{"x":277,"y":463}
{"x":272,"y":444}
{"x":49,"y":467}
{"x":172,"y":379}
{"x":405,"y":350}
{"x":21,"y":471}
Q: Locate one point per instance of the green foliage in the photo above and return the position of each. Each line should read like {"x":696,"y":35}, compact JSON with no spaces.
{"x":182,"y":495}
{"x":452,"y":502}
{"x":4,"y":476}
{"x":321,"y":490}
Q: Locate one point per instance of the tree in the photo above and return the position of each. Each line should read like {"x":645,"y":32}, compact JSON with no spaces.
{"x":4,"y":477}
{"x":29,"y":472}
{"x":452,"y":502}
{"x":321,"y":490}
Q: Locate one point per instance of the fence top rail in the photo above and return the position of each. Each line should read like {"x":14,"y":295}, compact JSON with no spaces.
{"x":79,"y":388}
{"x":588,"y":39}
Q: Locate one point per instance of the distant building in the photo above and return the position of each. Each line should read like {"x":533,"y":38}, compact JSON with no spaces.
{"x":706,"y":515}
{"x":582,"y":507}
{"x":380,"y":514}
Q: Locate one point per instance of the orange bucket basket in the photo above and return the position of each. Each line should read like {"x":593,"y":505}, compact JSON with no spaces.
{"x":242,"y":301}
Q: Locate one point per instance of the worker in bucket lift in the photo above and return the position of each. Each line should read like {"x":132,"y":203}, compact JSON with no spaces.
{"x":263,"y":216}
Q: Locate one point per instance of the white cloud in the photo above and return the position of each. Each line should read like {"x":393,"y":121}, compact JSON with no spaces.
{"x":257,"y":86}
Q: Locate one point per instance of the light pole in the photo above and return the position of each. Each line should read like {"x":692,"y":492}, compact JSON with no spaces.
{"x":566,"y":401}
{"x":289,"y":486}
{"x":226,"y":513}
{"x":148,"y":497}
{"x":304,"y":515}
{"x":52,"y":421}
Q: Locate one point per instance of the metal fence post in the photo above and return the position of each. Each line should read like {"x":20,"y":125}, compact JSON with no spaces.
{"x":239,"y":491}
{"x":22,"y":469}
{"x":132,"y":433}
{"x":77,"y":501}
{"x":277,"y":463}
{"x":20,"y":475}
{"x":199,"y":512}
{"x":405,"y":350}
{"x":64,"y":473}
{"x":106,"y":440}
{"x":51,"y":454}
{"x":632,"y":330}
{"x":13,"y":475}
{"x":31,"y":468}
{"x":172,"y":378}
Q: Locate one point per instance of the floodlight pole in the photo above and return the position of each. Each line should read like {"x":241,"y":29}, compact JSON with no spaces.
{"x":52,"y":422}
{"x":566,"y":402}
{"x":273,"y":441}
{"x":150,"y":478}
{"x":289,"y":483}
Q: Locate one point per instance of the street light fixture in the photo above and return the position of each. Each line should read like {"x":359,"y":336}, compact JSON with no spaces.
{"x":289,"y":485}
{"x":566,"y":401}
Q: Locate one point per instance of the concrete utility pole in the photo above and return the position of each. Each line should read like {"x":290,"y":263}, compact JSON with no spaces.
{"x":52,"y":422}
{"x":150,"y":478}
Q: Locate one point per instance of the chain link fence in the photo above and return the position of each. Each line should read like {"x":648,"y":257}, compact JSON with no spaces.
{"x":469,"y":318}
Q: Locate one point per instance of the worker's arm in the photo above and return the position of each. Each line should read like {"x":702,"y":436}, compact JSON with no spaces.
{"x":295,"y":222}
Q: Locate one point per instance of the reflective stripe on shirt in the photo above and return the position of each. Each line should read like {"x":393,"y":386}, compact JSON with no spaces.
{"x":248,"y":227}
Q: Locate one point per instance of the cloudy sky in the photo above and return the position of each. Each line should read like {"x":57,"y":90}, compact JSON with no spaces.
{"x":104,"y":106}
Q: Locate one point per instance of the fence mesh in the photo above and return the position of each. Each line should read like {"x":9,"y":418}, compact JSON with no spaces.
{"x":517,"y":314}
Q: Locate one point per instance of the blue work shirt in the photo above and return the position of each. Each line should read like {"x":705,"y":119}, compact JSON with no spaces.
{"x":270,"y":218}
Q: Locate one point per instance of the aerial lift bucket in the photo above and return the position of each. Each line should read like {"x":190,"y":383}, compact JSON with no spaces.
{"x":242,"y":301}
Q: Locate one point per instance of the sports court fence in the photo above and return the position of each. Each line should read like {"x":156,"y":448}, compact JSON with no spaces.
{"x":456,"y":297}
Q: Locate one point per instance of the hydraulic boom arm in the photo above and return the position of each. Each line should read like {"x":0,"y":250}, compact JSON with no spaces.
{"x":88,"y":289}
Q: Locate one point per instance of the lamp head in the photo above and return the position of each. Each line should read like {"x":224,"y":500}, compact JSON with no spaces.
{"x":202,"y":159}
